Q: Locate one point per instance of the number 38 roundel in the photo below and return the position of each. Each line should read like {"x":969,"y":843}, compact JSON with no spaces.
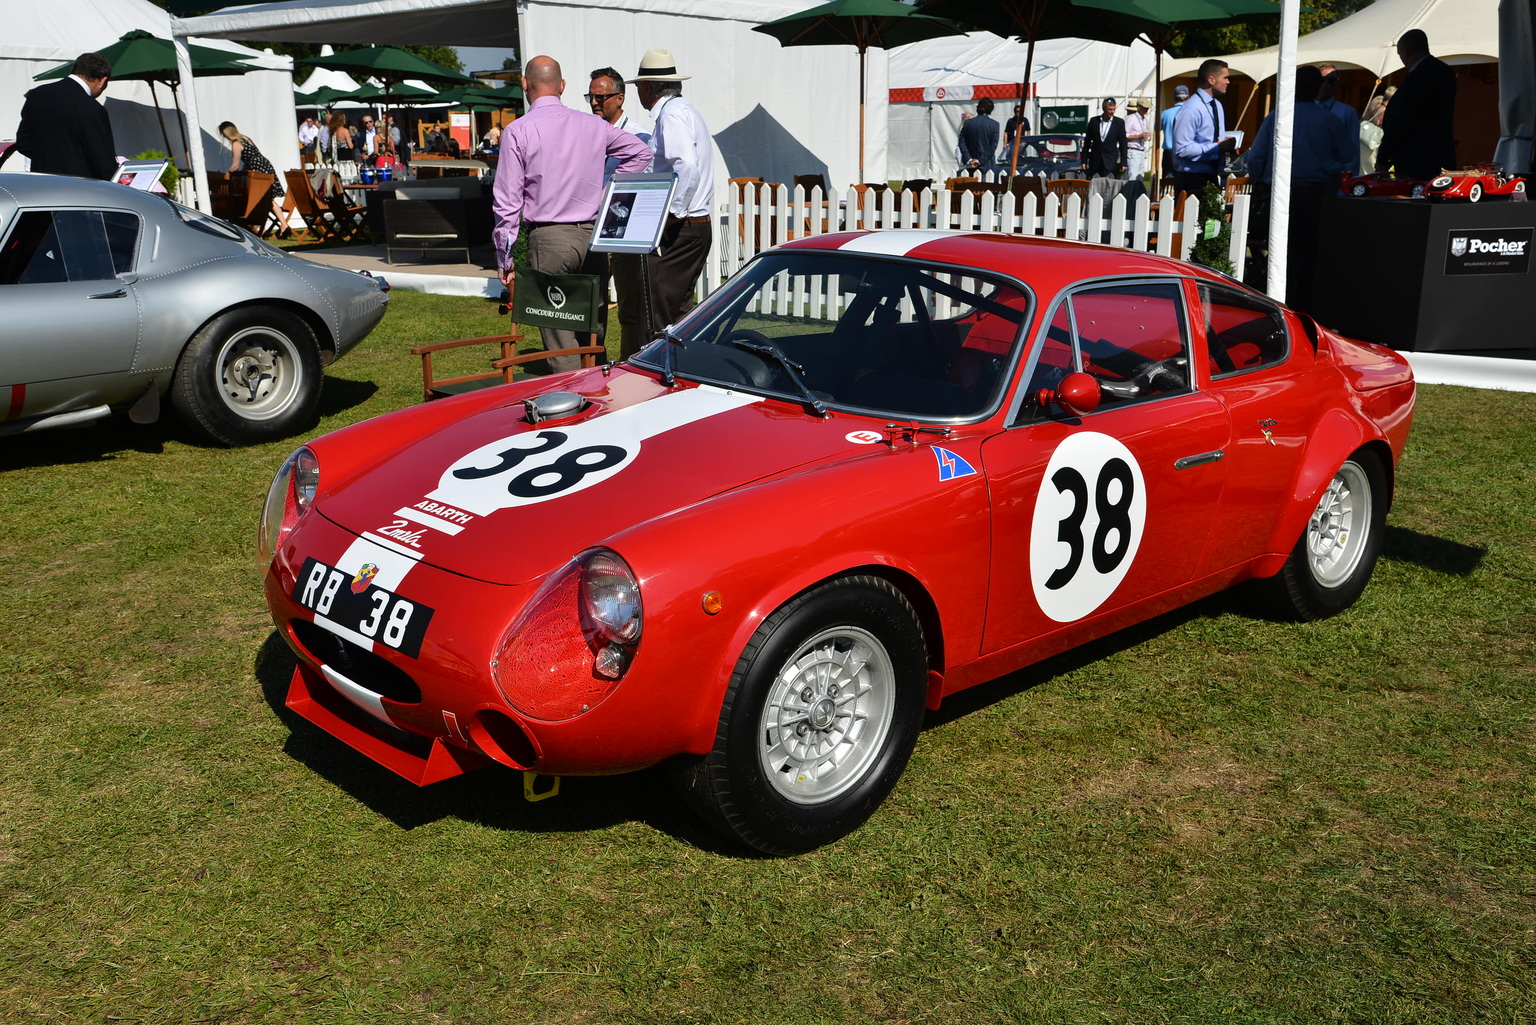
{"x":1088,"y":521}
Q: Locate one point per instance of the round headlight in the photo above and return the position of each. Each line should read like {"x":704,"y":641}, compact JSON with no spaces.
{"x":1442,"y":182}
{"x":290,"y":496}
{"x":610,"y":597}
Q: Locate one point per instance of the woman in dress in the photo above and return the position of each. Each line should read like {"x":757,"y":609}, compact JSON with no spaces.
{"x":244,"y":156}
{"x":341,"y":138}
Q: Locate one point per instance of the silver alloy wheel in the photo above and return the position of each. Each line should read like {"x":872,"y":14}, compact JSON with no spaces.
{"x":827,"y":715}
{"x":259,"y":372}
{"x":1359,"y":190}
{"x":1339,"y":531}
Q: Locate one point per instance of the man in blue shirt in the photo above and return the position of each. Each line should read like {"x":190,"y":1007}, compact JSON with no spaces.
{"x":1165,"y":129}
{"x":1200,"y":140}
{"x":1326,"y":99}
{"x":1321,"y":148}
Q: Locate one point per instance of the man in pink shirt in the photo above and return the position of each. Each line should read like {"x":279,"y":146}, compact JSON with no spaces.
{"x":549,"y":183}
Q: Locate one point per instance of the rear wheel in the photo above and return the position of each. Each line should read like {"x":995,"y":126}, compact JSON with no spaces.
{"x":1359,"y":189}
{"x":1475,"y":192}
{"x":818,"y":722}
{"x":250,"y":375}
{"x":1331,"y":564}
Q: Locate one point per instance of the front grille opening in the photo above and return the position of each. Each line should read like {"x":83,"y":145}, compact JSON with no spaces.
{"x":359,"y":665}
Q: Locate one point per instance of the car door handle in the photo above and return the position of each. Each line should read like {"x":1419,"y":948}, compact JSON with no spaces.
{"x":119,"y":294}
{"x":1187,"y":462}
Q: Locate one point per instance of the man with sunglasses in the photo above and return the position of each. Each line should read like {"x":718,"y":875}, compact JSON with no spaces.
{"x":606,"y":97}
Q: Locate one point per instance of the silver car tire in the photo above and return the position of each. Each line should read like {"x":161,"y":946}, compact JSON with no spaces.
{"x":252,"y":374}
{"x":1332,"y":562}
{"x":1475,"y":193}
{"x":1359,"y":189}
{"x":821,"y":715}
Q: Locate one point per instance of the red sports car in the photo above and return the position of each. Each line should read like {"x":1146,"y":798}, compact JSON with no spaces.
{"x":1473,"y":184}
{"x":1382,"y":184}
{"x":868,"y":472}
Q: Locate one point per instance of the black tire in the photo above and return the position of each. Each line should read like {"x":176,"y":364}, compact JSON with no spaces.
{"x":787,"y":694}
{"x":1332,"y":562}
{"x":250,"y":375}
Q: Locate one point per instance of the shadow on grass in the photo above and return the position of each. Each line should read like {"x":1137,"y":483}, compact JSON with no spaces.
{"x":957,"y":706}
{"x":1433,"y":553}
{"x":96,"y":442}
{"x":339,"y":394}
{"x":491,"y":796}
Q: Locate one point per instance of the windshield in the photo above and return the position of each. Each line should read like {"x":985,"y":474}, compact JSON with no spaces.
{"x":893,"y":338}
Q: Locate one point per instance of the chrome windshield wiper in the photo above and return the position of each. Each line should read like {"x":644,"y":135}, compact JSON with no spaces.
{"x":672,"y":338}
{"x":792,"y":370}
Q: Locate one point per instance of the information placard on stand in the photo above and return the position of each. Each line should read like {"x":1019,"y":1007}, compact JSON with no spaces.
{"x":634,"y":213}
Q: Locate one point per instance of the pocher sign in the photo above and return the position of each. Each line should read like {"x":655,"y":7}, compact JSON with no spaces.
{"x":567,"y":301}
{"x":1488,"y":250}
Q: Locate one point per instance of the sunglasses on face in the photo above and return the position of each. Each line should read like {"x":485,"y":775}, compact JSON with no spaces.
{"x":601,"y":97}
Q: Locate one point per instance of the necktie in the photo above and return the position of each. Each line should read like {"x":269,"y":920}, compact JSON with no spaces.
{"x":1215,"y":119}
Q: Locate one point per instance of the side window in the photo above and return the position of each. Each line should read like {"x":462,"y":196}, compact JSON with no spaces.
{"x":1242,"y":332}
{"x":1056,"y":360}
{"x":68,"y":245}
{"x":1134,"y":340}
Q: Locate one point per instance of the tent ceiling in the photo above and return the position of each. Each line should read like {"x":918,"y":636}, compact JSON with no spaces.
{"x":399,"y":22}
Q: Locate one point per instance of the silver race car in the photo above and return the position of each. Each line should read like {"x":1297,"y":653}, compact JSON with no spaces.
{"x":112,"y":298}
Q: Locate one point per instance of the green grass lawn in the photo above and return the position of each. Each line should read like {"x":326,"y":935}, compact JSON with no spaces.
{"x":1210,"y":818}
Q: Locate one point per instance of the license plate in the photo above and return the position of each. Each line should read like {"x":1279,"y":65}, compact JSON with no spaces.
{"x":379,"y":615}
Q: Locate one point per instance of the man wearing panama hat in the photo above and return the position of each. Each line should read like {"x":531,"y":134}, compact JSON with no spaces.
{"x":683,"y":146}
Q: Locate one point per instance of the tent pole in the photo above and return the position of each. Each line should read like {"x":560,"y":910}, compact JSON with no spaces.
{"x":193,"y":129}
{"x":1018,"y":130}
{"x":160,"y":116}
{"x":1285,"y":116}
{"x":862,"y":60}
{"x":186,"y":147}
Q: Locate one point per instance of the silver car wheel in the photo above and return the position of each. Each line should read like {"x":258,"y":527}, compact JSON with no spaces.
{"x":1339,"y":529}
{"x":827,"y":715}
{"x":259,"y":372}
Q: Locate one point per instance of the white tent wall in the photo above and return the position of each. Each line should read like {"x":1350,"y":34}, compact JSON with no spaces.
{"x":774,"y":111}
{"x":44,"y":35}
{"x":924,"y":134}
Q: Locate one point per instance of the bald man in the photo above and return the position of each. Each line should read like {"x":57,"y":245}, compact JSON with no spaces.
{"x":549,"y":184}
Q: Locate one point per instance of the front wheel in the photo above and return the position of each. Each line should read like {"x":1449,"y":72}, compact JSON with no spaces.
{"x":820,"y":717}
{"x":1475,"y":193}
{"x":1359,"y":189}
{"x":250,"y":375}
{"x":1331,"y":564}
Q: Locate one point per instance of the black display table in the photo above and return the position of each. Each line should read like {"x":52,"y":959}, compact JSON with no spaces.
{"x":1429,"y":275}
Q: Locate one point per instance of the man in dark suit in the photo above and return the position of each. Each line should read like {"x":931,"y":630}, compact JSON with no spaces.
{"x":64,"y":130}
{"x":978,"y":139}
{"x":1418,"y":140}
{"x":1104,"y":144}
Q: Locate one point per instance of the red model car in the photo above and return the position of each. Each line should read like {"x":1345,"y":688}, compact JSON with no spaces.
{"x":1473,"y":184}
{"x":868,"y":472}
{"x":1382,"y":184}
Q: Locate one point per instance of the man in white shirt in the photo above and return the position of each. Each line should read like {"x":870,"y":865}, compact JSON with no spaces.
{"x":1136,"y":136}
{"x":309,"y":135}
{"x":606,"y":97}
{"x":682,"y":145}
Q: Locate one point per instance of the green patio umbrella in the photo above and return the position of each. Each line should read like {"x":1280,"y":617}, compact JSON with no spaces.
{"x":321,"y":97}
{"x":1033,"y":20}
{"x":141,"y":56}
{"x":390,"y":65}
{"x":860,"y":24}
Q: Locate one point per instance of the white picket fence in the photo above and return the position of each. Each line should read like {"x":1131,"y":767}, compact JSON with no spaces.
{"x":757,"y":219}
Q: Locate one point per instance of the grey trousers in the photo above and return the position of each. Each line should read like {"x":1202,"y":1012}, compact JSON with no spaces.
{"x":562,"y":249}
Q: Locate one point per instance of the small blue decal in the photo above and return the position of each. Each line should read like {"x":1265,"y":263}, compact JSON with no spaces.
{"x":951,"y":465}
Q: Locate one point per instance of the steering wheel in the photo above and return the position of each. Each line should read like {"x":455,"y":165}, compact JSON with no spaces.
{"x":1162,"y":375}
{"x":745,"y":334}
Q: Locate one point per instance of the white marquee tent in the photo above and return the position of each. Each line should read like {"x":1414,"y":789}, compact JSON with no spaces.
{"x":39,"y":36}
{"x":935,"y":81}
{"x":774,"y":112}
{"x":1460,"y":32}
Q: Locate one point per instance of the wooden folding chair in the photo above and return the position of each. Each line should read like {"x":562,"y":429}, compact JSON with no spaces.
{"x":501,"y":372}
{"x":324,"y":219}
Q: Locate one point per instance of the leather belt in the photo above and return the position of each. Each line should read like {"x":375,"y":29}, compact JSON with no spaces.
{"x":530,"y":225}
{"x":701,"y":219}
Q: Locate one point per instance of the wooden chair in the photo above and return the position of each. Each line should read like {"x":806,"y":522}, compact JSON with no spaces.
{"x":1028,"y":185}
{"x":1237,"y":185}
{"x":332,"y":217}
{"x":959,"y":181}
{"x":243,"y":198}
{"x":811,"y":181}
{"x":1065,"y":187}
{"x":502,"y":367}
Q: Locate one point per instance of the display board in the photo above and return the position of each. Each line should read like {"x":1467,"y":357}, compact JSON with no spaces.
{"x":633,"y":213}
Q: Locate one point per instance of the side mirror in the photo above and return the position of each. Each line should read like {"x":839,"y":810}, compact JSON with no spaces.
{"x":1077,"y":394}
